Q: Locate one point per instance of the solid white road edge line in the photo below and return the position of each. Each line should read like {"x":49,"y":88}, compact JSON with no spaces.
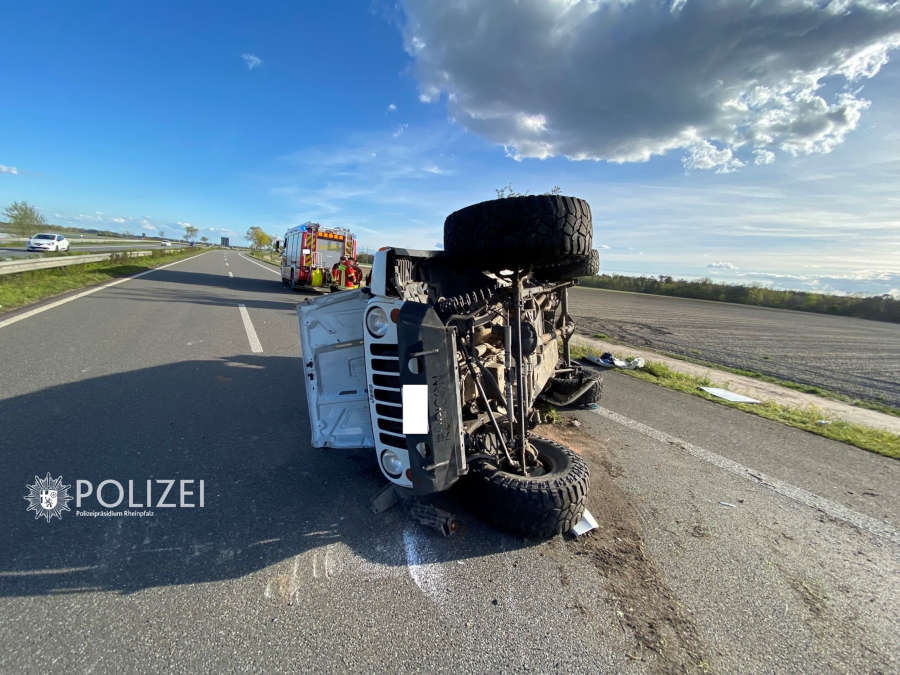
{"x":255,"y":345}
{"x":269,"y":269}
{"x":826,"y":506}
{"x":51,"y":305}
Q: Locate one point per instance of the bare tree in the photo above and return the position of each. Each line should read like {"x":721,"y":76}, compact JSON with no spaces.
{"x":190,"y":232}
{"x":23,"y":217}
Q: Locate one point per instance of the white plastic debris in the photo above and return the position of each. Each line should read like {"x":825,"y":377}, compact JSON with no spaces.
{"x":586,"y":524}
{"x":729,"y":395}
{"x":607,"y":360}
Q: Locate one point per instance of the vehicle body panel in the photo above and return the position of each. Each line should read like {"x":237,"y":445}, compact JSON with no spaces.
{"x":334,"y":370}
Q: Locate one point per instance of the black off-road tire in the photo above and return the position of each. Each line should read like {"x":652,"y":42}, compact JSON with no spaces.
{"x":586,"y":267}
{"x":520,"y":232}
{"x":566,"y":385}
{"x":533,"y":506}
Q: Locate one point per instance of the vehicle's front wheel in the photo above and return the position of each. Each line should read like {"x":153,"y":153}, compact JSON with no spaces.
{"x":549,"y":501}
{"x":562,"y":387}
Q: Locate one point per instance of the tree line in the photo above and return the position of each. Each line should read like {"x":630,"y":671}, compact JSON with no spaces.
{"x":25,"y":220}
{"x":879,"y":307}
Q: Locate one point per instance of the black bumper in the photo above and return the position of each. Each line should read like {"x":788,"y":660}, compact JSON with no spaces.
{"x":436,"y":458}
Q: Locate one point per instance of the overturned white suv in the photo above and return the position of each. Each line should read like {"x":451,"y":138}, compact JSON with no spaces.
{"x":439,"y":362}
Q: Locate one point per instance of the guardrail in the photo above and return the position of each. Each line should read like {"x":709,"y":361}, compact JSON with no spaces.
{"x":14,"y":266}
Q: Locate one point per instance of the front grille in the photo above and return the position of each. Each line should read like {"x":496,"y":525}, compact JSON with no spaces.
{"x":386,"y":365}
{"x":388,"y":396}
{"x":390,"y":425}
{"x":383,"y":410}
{"x":384,"y":350}
{"x":384,"y":379}
{"x":391,"y":381}
{"x":393,"y":441}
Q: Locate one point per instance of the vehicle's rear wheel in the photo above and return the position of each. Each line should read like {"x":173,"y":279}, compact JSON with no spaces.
{"x":518,"y":232}
{"x":586,"y":267}
{"x":564,"y":385}
{"x":549,"y":501}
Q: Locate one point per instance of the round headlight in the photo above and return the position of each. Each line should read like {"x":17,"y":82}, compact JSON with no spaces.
{"x":377,"y":322}
{"x":393,"y":467}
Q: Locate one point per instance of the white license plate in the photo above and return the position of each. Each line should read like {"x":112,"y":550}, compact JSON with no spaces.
{"x":415,"y":408}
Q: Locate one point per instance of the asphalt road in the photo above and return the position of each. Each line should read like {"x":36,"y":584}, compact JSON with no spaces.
{"x":285,"y":568}
{"x":21,"y":252}
{"x":856,"y":357}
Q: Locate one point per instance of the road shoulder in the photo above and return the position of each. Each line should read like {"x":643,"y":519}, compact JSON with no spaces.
{"x":759,"y":389}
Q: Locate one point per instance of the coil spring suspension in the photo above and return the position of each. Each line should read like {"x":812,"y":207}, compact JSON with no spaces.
{"x":466,"y":302}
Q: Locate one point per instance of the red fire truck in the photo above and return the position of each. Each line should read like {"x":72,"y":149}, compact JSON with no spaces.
{"x":309,"y":253}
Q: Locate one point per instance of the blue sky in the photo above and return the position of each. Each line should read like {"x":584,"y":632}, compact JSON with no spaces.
{"x":774,"y":163}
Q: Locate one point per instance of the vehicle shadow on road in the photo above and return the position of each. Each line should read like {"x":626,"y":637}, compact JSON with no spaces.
{"x":238,"y":424}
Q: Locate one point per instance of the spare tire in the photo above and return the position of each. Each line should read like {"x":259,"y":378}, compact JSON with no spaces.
{"x":539,"y":505}
{"x":583,"y":267}
{"x":518,"y":232}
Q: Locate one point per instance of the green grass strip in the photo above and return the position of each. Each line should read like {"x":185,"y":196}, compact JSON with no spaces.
{"x":24,"y":288}
{"x":874,"y":440}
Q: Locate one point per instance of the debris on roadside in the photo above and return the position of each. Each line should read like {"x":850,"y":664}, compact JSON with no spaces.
{"x":823,"y":423}
{"x":607,"y":360}
{"x":728,"y":504}
{"x":729,"y":395}
{"x":433,"y":517}
{"x":586,"y":524}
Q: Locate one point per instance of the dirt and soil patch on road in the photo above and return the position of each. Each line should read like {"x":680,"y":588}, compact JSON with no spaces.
{"x":664,"y":634}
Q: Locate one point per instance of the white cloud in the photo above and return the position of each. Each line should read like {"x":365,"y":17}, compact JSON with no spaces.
{"x":391,"y":107}
{"x":722,"y":266}
{"x":435,"y":169}
{"x":398,"y":132}
{"x":252,"y":61}
{"x":726,"y":81}
{"x":9,"y":169}
{"x":119,"y":220}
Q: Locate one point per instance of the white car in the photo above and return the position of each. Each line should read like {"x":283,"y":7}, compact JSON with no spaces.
{"x":48,"y":242}
{"x":165,"y":243}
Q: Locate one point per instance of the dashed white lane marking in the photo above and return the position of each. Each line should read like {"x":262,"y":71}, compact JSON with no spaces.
{"x":268,"y":269}
{"x":826,"y":506}
{"x":230,"y":274}
{"x":51,"y":305}
{"x":226,"y":264}
{"x":255,"y":345}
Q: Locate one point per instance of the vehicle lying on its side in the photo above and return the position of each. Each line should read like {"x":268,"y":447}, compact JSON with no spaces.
{"x":439,"y":362}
